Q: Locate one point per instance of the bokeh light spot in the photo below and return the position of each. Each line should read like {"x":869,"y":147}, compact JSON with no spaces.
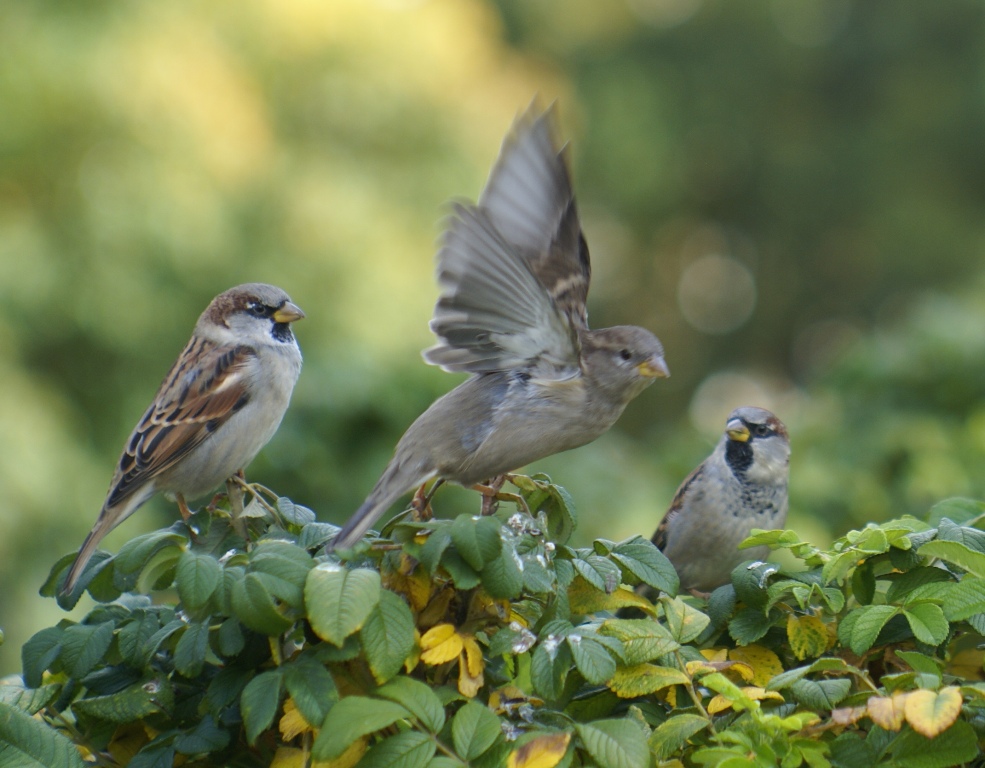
{"x":716,"y":294}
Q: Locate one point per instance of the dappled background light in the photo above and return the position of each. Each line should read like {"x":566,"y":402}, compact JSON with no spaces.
{"x":788,"y":192}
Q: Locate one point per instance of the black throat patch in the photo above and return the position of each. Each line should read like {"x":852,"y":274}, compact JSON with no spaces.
{"x":282,"y":333}
{"x":738,"y":456}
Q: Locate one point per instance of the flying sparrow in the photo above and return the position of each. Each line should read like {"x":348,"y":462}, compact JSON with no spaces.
{"x":514,"y":273}
{"x":220,"y":403}
{"x":741,"y":486}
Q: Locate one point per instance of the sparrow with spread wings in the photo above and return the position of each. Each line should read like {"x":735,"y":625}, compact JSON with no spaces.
{"x":514,"y":273}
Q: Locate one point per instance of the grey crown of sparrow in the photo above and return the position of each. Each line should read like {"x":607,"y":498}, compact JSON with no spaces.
{"x":742,"y":485}
{"x":221,"y":402}
{"x":514,"y":273}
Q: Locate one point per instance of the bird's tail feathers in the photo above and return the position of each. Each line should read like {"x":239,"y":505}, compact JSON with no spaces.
{"x":392,"y":485}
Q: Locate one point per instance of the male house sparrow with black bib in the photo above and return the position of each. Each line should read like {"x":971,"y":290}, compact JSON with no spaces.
{"x":741,"y":486}
{"x":220,"y":403}
{"x":514,"y":273}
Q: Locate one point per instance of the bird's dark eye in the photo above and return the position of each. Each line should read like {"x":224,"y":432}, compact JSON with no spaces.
{"x":761,"y":430}
{"x":625,"y":354}
{"x":258,"y":309}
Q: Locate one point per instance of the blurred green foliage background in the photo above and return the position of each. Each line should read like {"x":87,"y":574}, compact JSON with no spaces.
{"x":790,"y":193}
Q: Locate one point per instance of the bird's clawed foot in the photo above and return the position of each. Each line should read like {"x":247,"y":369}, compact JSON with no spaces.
{"x":492,"y":494}
{"x":421,"y":503}
{"x":186,"y":513}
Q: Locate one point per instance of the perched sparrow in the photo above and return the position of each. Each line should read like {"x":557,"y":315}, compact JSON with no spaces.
{"x":741,"y":486}
{"x":514,"y":274}
{"x":220,"y":403}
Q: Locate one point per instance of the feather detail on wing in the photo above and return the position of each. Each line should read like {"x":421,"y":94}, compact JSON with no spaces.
{"x":676,"y":506}
{"x":206,"y":386}
{"x":493,"y":313}
{"x":530,"y":201}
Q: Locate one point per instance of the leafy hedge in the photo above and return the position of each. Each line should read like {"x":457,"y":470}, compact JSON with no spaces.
{"x":490,"y":641}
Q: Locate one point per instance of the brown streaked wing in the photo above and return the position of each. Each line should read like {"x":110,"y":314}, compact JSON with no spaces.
{"x":203,"y":389}
{"x":660,"y":535}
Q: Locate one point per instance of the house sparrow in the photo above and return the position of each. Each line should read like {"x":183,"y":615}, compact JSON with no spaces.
{"x":741,"y":486}
{"x":514,"y":273}
{"x":220,"y":403}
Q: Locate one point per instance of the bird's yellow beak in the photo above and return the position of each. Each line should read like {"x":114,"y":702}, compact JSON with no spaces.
{"x":288,"y":313}
{"x":737,"y":431}
{"x":654,"y":368}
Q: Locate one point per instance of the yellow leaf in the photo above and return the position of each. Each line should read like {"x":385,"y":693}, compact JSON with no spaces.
{"x":808,"y":636}
{"x":643,"y":679}
{"x":470,"y":666}
{"x":718,"y":704}
{"x":439,"y":644}
{"x":541,"y":752}
{"x":437,"y":608}
{"x":292,"y":724}
{"x":757,"y":693}
{"x":765,"y":664}
{"x":847,"y":715}
{"x":288,"y":757}
{"x":584,"y":598}
{"x":737,"y":668}
{"x":473,"y":655}
{"x":127,"y":741}
{"x":347,"y":759}
{"x":415,"y":585}
{"x":887,"y":712}
{"x":715,"y":654}
{"x":967,"y":664}
{"x":930,"y":712}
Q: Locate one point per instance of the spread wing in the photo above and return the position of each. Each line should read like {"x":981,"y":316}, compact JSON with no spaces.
{"x":493,"y":313}
{"x":203,"y":389}
{"x":514,"y":270}
{"x":660,"y":536}
{"x":530,"y":200}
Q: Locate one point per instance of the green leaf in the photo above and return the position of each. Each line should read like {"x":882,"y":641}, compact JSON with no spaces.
{"x":463,"y":574}
{"x":434,"y":548}
{"x":197,"y":577}
{"x":600,"y":572}
{"x":644,"y":679}
{"x":339,"y":600}
{"x":592,"y":659}
{"x":549,"y":665}
{"x":477,"y":540}
{"x":418,"y":699}
{"x":502,"y":577}
{"x":253,"y":605}
{"x":283,"y":568}
{"x":964,"y":599}
{"x":821,"y":694}
{"x":204,"y":738}
{"x":146,"y":697}
{"x":902,"y":585}
{"x":668,"y":737}
{"x":927,"y":622}
{"x":614,"y":743}
{"x":641,"y":558}
{"x":83,"y":646}
{"x":229,"y":639}
{"x":642,"y":639}
{"x":474,"y":729}
{"x":684,"y":622}
{"x":158,"y":572}
{"x":132,"y":636}
{"x":136,"y":553}
{"x":39,"y":653}
{"x":259,"y":702}
{"x":351,"y":718}
{"x":26,"y":742}
{"x":959,"y":510}
{"x":749,"y":625}
{"x":869,"y":621}
{"x":409,"y":749}
{"x":312,"y":688}
{"x":189,"y":654}
{"x":30,"y":700}
{"x":955,"y":746}
{"x":387,"y":636}
{"x":957,"y":554}
{"x":293,"y":514}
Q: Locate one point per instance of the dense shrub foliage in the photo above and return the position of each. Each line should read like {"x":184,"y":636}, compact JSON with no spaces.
{"x":490,"y":641}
